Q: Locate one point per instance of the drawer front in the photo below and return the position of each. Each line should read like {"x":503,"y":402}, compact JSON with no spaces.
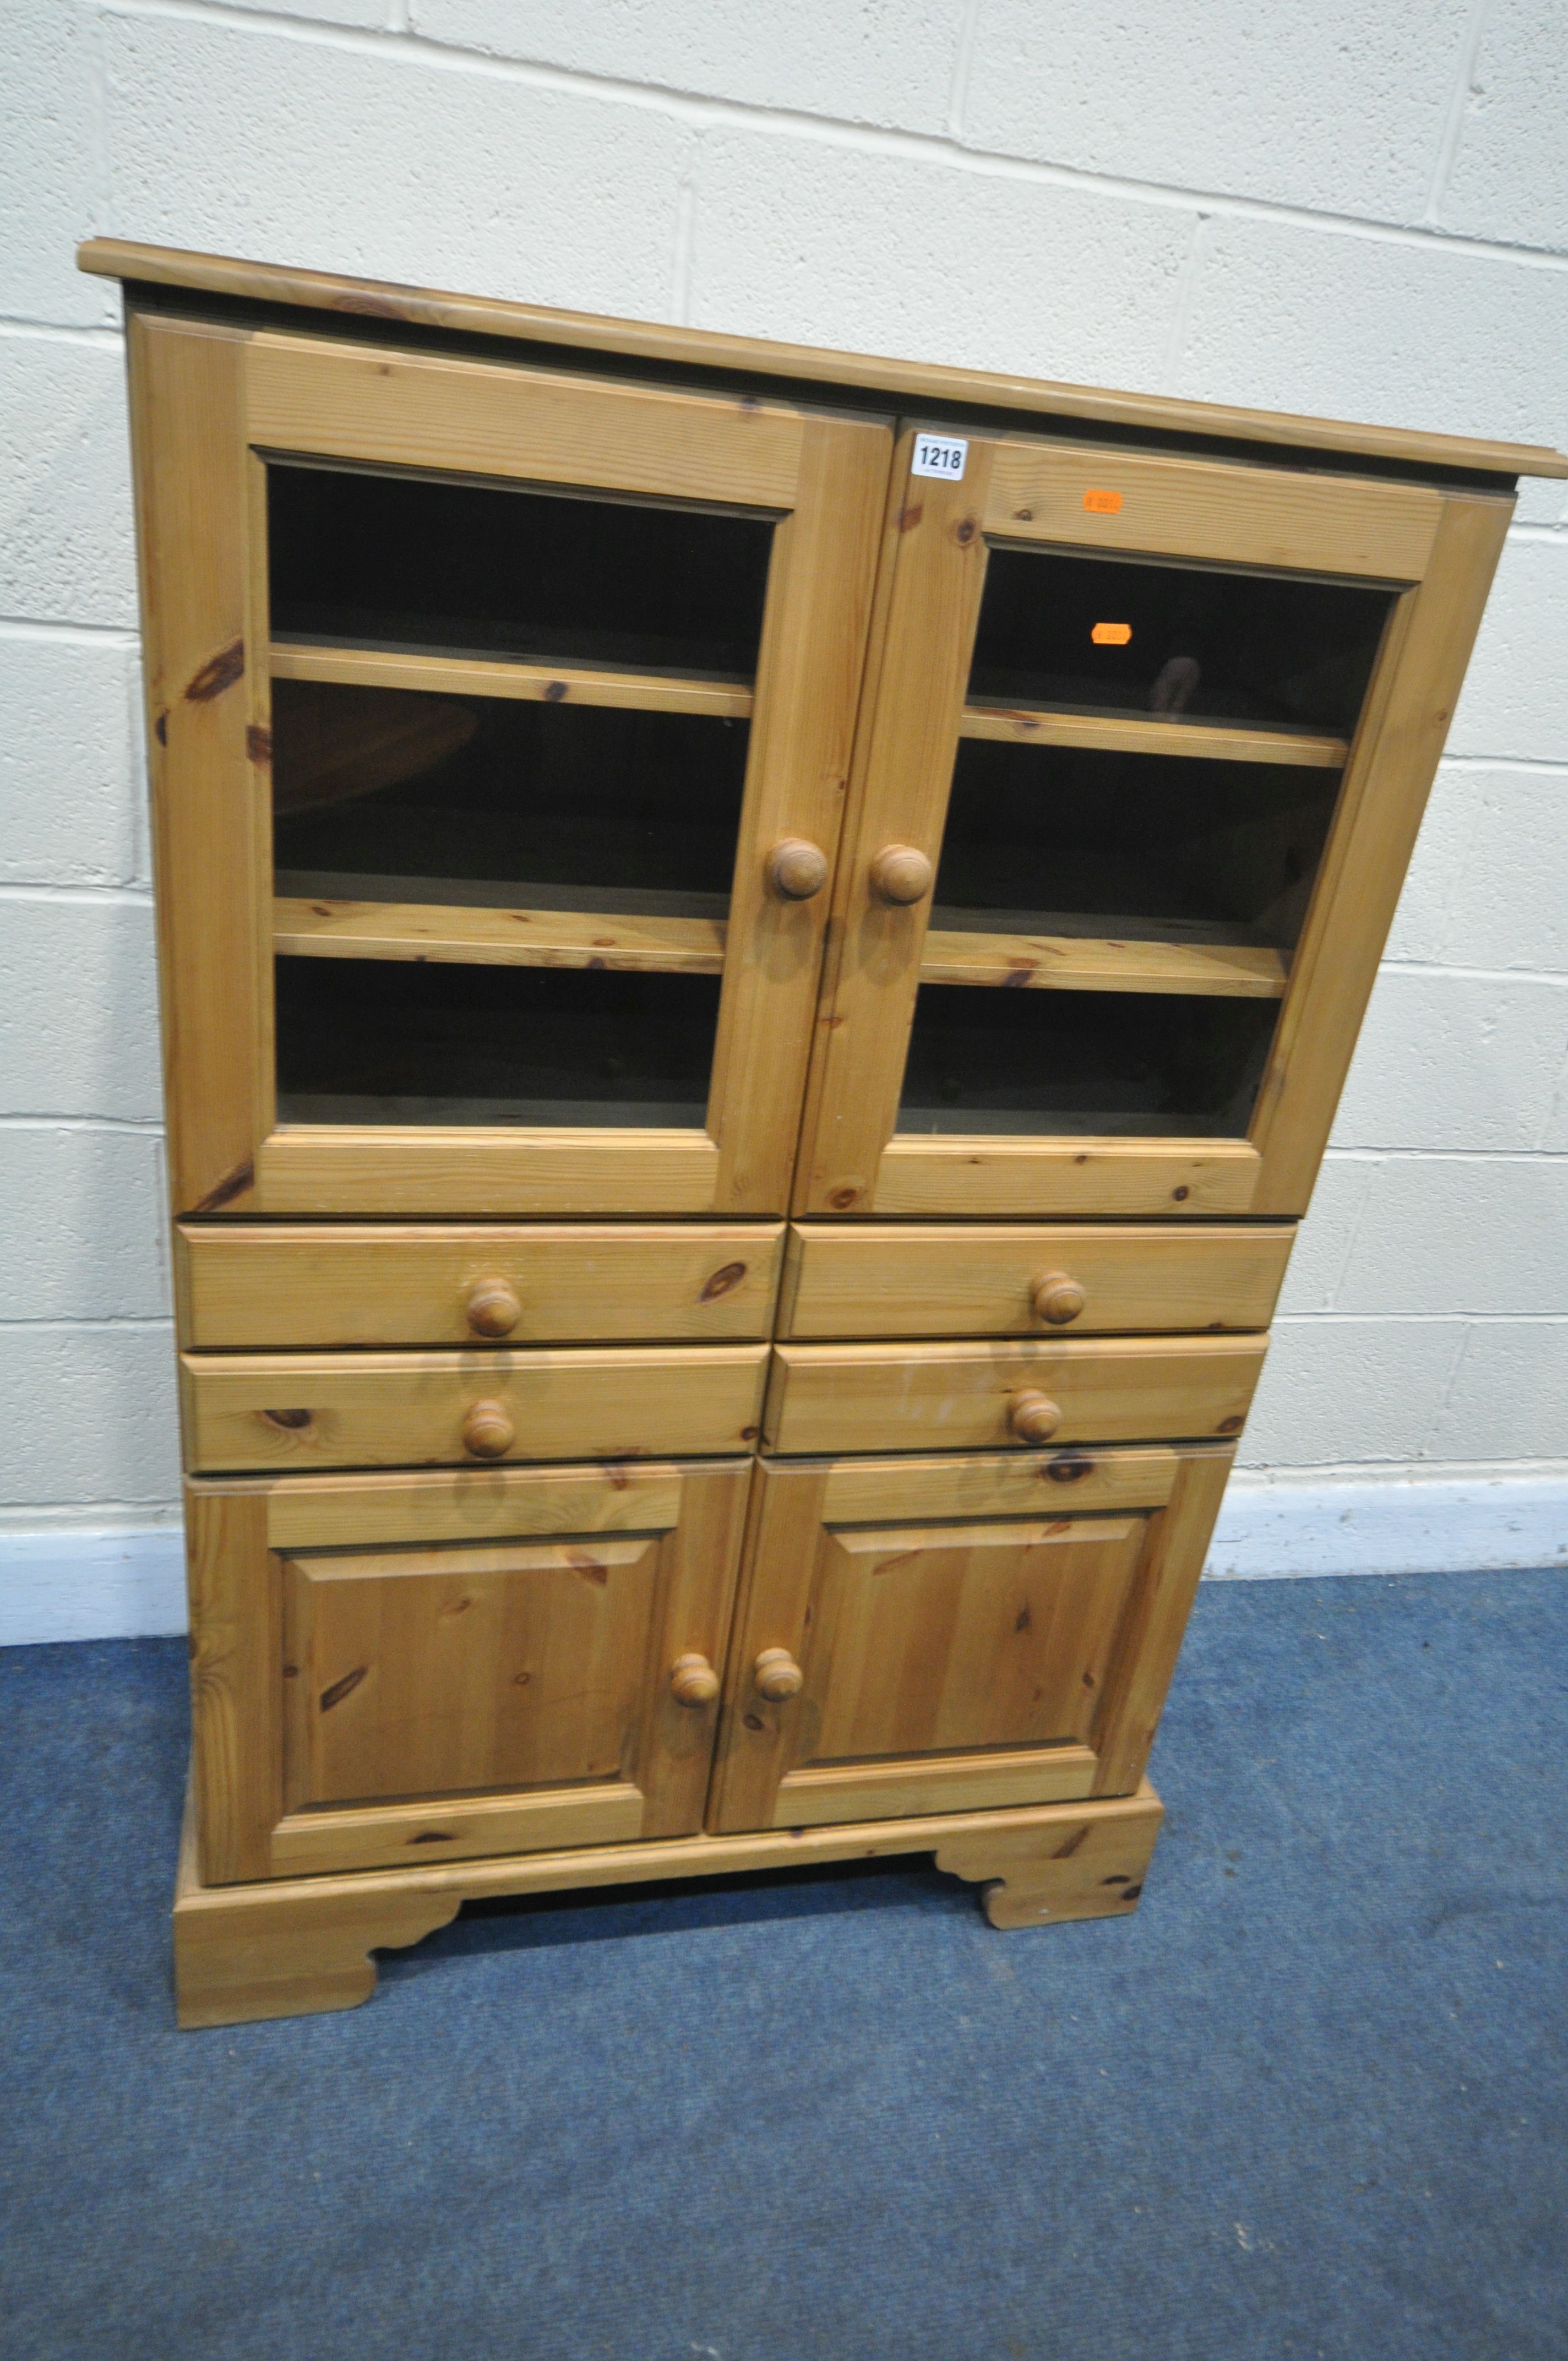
{"x":296,"y":1284}
{"x":987,"y":1281}
{"x":964,"y":1396}
{"x":298,"y":1411}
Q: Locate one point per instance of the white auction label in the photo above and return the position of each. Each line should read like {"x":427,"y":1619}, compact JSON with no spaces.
{"x":939,"y":454}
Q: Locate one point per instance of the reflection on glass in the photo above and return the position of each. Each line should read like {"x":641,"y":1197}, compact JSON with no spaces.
{"x":395,"y":795}
{"x":1063,"y":841}
{"x":1114,"y":635}
{"x":1073,"y":1062}
{"x":397,"y":1042}
{"x":374,"y":560}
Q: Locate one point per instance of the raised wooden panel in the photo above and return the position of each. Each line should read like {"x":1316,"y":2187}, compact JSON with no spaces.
{"x":940,"y":1667}
{"x":508,"y":1689}
{"x":292,"y":1410}
{"x":981,"y":1279}
{"x":1207,"y":508}
{"x":430,"y":1672}
{"x":888,"y":1666}
{"x":300,"y":1284}
{"x":966,"y":1396}
{"x":956,"y":1639}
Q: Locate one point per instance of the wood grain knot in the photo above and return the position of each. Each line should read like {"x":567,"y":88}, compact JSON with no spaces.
{"x":219,"y":672}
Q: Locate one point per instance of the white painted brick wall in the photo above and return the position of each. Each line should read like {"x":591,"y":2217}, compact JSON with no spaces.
{"x":1358,"y":209}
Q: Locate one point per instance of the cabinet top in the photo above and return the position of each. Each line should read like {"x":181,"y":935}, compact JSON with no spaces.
{"x":902,"y":382}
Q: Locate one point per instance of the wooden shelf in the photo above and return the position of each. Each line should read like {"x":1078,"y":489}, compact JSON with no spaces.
{"x":537,"y":684}
{"x":1027,"y":725}
{"x":1099,"y":963}
{"x":497,"y":938}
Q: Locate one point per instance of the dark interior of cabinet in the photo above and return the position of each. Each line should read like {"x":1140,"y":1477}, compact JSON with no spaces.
{"x":1039,"y":1063}
{"x":410,"y":1042}
{"x":1059,"y":839}
{"x":1086,"y":633}
{"x":364,"y":559}
{"x":391,"y":795}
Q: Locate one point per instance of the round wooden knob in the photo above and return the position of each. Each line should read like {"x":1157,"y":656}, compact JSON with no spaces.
{"x":492,"y":1307}
{"x":1058,"y":1298}
{"x":901,"y":873}
{"x":1033,"y":1417}
{"x":692,"y":1681}
{"x":777,"y":1675}
{"x":796,"y":869}
{"x":487,"y":1430}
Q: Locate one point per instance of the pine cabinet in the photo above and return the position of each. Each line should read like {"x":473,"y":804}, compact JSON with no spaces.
{"x":758,"y":948}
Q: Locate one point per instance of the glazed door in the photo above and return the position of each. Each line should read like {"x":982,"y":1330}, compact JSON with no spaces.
{"x":956,"y":1634}
{"x":1148,"y":743}
{"x":500,"y":726}
{"x":405,"y":1669}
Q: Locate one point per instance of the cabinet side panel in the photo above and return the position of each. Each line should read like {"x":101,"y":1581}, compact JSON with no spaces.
{"x":1393,"y":762}
{"x":1156,"y":1619}
{"x":205,"y":659}
{"x":236,"y":1656}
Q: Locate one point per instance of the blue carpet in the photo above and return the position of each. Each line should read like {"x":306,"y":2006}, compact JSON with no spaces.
{"x":1309,"y":2100}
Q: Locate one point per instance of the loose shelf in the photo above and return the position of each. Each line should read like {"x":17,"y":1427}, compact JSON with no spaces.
{"x":319,"y":927}
{"x":1130,"y":734}
{"x":497,"y":938}
{"x":1053,"y":962}
{"x":530,"y":682}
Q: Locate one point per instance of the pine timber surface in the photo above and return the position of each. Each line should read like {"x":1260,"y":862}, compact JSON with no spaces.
{"x":420,"y":307}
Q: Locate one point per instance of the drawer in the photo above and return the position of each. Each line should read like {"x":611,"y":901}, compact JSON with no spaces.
{"x":415,"y":1410}
{"x":299,"y":1283}
{"x":836,"y":1397}
{"x":988,"y":1280}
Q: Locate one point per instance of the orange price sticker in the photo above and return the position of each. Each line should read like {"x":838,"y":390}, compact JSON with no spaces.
{"x":1111,"y":635}
{"x":1103,"y":503}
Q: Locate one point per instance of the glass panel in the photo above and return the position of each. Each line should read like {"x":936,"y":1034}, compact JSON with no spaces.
{"x":1063,"y":1062}
{"x":389,"y":795}
{"x":397,"y":1042}
{"x":1062,"y":841}
{"x":397,"y":561}
{"x":1113,"y":636}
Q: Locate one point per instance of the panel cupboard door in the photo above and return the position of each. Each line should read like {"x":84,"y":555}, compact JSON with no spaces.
{"x":500,"y":721}
{"x":408,"y":1669}
{"x":1147,"y":742}
{"x":934,"y":1635}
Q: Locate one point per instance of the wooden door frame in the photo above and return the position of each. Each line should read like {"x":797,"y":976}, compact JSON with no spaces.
{"x":1177,"y":1488}
{"x":240,"y":1532}
{"x":1436,"y":551}
{"x":207,"y":400}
